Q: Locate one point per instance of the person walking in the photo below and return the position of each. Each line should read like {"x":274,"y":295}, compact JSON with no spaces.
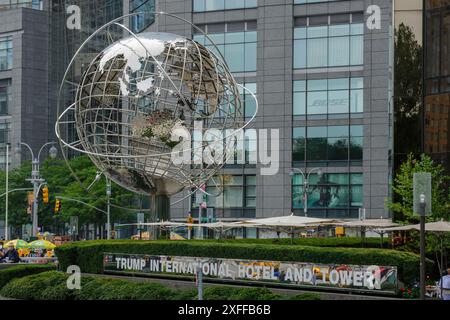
{"x":444,"y":285}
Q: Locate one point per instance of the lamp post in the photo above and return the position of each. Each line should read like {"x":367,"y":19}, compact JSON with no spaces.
{"x":422,"y":246}
{"x":108,"y":201}
{"x":306,"y":184}
{"x":7,"y":192}
{"x":35,"y":179}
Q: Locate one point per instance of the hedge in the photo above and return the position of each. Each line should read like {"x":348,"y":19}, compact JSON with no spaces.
{"x":88,"y":255}
{"x":19,"y":271}
{"x":52,"y":286}
{"x":344,"y":242}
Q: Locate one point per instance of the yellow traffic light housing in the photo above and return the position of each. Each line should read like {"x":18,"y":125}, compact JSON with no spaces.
{"x":57,"y":206}
{"x":45,"y":195}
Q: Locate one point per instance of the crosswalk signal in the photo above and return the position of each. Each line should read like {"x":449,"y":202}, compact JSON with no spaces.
{"x":57,"y":206}
{"x":45,"y":195}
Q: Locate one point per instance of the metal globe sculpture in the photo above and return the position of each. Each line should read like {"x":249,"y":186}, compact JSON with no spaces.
{"x":136,"y":99}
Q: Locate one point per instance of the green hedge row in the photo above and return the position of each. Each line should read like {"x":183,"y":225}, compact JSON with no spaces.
{"x":19,"y":271}
{"x":88,"y":255}
{"x":344,"y":242}
{"x":52,"y":286}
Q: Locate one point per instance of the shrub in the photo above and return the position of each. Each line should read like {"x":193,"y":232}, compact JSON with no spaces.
{"x":51,"y":285}
{"x":344,"y":242}
{"x":306,"y":296}
{"x":45,"y":285}
{"x":115,"y":289}
{"x":19,"y":271}
{"x":89,"y":254}
{"x":235,"y":293}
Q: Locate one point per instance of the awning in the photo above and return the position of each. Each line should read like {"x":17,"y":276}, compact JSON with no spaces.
{"x":289,"y":221}
{"x":438,"y":226}
{"x":370,"y":223}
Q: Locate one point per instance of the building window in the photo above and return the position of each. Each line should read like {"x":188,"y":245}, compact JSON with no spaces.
{"x":236,"y":42}
{"x":249,"y":103}
{"x":312,"y":1}
{"x":145,"y":18}
{"x":6,"y":53}
{"x":328,"y":96}
{"x":232,"y":196}
{"x":5,"y":96}
{"x":334,"y":195}
{"x":213,"y":5}
{"x":329,"y":41}
{"x":4,"y":132}
{"x":328,"y":146}
{"x":12,"y":4}
{"x":437,"y":37}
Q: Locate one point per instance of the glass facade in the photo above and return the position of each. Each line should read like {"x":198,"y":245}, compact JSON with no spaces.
{"x":5,"y":96}
{"x":248,"y":100}
{"x":312,"y":1}
{"x":328,"y":145}
{"x":232,"y":196}
{"x":214,"y":5}
{"x":146,"y":18}
{"x":12,"y":4}
{"x":329,"y":41}
{"x":4,"y":132}
{"x":334,"y":195}
{"x":437,"y":81}
{"x":6,"y":53}
{"x":236,"y":42}
{"x":333,"y":97}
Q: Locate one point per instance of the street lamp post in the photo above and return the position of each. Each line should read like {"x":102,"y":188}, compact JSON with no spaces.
{"x":108,"y":210}
{"x":422,"y":246}
{"x":7,"y":193}
{"x":306,"y":184}
{"x":35,"y":179}
{"x":108,"y":201}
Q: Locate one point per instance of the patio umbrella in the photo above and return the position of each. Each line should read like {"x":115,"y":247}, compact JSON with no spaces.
{"x":437,"y":227}
{"x":18,"y":244}
{"x":291,"y":221}
{"x":42,"y":244}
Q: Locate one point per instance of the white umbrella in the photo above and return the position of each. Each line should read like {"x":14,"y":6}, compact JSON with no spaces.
{"x":290,"y":221}
{"x":371,"y":223}
{"x":438,"y":226}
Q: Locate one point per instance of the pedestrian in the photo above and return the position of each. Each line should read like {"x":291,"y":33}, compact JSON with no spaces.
{"x":11,"y":256}
{"x":444,"y":285}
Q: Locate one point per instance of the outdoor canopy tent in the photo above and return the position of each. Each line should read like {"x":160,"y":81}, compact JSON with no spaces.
{"x":370,"y":223}
{"x":438,"y":226}
{"x":289,"y":221}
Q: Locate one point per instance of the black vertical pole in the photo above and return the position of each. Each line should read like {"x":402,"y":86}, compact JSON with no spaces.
{"x":424,"y":51}
{"x":422,"y":251}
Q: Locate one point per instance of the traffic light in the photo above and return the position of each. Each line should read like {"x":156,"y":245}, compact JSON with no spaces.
{"x":57,"y":206}
{"x":45,"y":195}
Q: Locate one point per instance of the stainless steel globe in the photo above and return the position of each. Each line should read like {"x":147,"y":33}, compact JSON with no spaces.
{"x":137,"y":94}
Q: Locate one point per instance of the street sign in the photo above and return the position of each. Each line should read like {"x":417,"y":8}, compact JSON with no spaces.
{"x":210,"y":214}
{"x":422,"y":186}
{"x":140,"y":217}
{"x":74,"y":225}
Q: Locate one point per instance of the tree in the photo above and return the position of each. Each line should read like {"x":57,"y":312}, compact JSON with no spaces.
{"x":63,"y":184}
{"x":403,"y":190}
{"x":408,"y":93}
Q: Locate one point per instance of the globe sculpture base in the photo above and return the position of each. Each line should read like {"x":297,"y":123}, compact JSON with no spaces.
{"x":160,"y":212}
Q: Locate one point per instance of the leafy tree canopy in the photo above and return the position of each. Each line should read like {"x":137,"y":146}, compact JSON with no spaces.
{"x":61,"y":183}
{"x":403,"y":190}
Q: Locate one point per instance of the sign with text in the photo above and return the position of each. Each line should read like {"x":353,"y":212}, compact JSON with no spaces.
{"x":348,"y":277}
{"x":422,"y":186}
